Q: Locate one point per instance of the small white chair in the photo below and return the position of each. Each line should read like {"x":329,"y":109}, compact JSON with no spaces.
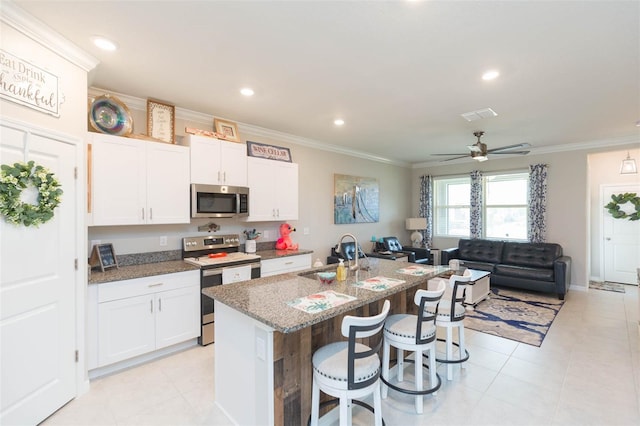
{"x":415,"y":333}
{"x":450,"y":315}
{"x":350,"y":370}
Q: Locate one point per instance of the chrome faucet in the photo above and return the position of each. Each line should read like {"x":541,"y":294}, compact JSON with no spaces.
{"x":354,"y":267}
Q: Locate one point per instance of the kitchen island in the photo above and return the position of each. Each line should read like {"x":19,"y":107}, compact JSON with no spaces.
{"x":264,"y":344}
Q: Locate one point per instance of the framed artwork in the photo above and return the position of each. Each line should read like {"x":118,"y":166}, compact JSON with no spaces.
{"x":355,"y":200}
{"x":161,"y":121}
{"x":227,"y":128}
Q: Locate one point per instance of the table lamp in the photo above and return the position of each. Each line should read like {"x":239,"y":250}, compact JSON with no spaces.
{"x":416,"y":224}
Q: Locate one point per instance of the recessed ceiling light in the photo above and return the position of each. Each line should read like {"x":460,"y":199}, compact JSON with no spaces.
{"x":104,"y":43}
{"x":247,"y":91}
{"x":338,"y":122}
{"x":490,"y":75}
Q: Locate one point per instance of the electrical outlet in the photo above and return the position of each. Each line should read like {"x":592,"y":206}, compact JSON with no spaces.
{"x":305,"y":231}
{"x":163,"y":240}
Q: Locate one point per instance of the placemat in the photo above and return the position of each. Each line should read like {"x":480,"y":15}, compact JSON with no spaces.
{"x":319,"y":302}
{"x":378,"y":283}
{"x":416,"y":270}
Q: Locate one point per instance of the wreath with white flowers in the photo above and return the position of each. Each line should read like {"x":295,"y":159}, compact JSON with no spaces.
{"x":618,"y":200}
{"x":15,"y":179}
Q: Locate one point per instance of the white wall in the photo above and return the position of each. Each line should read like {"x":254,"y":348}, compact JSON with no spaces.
{"x":316,"y":179}
{"x":568,"y":200}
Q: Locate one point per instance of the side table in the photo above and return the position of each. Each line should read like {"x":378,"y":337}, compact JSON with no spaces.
{"x":477,"y":288}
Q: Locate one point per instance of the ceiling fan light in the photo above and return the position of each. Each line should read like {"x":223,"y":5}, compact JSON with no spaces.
{"x":480,"y":158}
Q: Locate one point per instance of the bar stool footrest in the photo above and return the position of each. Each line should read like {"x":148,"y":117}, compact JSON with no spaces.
{"x":336,"y":401}
{"x":415,"y":392}
{"x":453,"y":361}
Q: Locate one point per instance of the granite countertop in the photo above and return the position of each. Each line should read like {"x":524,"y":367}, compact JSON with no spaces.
{"x":140,"y":271}
{"x":265,"y":299}
{"x":275,"y":254}
{"x":149,"y":268}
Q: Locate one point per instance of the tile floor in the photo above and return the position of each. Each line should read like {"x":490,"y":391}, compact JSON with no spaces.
{"x":587,"y":372}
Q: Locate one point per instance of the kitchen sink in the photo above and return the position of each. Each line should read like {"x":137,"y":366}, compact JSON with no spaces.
{"x":312,"y":274}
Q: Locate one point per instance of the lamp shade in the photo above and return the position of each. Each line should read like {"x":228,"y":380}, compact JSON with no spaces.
{"x":415,"y":223}
{"x":628,"y":166}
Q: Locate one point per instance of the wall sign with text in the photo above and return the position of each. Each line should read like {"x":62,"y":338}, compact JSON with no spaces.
{"x":29,"y":85}
{"x":271,"y":152}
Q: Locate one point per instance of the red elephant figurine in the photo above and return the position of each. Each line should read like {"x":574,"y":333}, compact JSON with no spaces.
{"x":284,"y":242}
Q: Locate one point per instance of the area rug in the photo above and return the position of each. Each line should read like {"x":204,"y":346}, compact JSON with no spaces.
{"x":607,"y":286}
{"x":516,"y":315}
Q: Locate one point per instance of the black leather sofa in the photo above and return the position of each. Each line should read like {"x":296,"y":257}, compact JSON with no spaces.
{"x":533,"y":266}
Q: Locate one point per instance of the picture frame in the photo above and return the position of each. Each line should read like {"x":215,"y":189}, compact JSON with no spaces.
{"x":161,"y":121}
{"x":104,"y":256}
{"x":227,"y":128}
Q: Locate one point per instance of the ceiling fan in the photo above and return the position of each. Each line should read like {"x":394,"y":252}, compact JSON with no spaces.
{"x":479,"y":151}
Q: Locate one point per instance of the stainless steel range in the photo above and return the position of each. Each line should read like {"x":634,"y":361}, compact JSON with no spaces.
{"x":220,"y":262}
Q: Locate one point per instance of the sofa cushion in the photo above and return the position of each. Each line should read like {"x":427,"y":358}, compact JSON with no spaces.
{"x":533,"y":255}
{"x":480,"y":266}
{"x":538,"y":274}
{"x":480,"y":250}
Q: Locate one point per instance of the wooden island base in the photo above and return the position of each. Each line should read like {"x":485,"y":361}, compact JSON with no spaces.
{"x":252,"y":356}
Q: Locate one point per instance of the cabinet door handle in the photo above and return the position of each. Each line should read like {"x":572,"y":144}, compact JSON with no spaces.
{"x":288,"y":263}
{"x":142,"y":213}
{"x":218,"y":175}
{"x":159,"y":305}
{"x":150,"y":213}
{"x":151,"y":302}
{"x":224,"y":177}
{"x":155,"y":285}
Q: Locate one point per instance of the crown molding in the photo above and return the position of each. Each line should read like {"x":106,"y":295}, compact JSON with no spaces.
{"x":247,"y":129}
{"x":578,"y":146}
{"x":40,"y":32}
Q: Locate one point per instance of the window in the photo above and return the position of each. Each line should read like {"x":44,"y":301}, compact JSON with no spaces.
{"x":505,"y":206}
{"x":504,"y":210}
{"x":451,"y":201}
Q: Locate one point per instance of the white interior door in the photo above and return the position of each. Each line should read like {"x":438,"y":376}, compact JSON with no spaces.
{"x":37,"y":290}
{"x":621,"y":244}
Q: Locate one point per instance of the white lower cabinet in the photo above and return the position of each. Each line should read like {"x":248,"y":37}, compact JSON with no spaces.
{"x":285,"y":264}
{"x":139,"y":316}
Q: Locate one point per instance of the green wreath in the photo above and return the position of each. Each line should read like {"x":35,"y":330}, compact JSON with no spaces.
{"x":618,"y":200}
{"x":14,"y":179}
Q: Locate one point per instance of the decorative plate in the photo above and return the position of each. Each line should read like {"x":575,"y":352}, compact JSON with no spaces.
{"x":109,"y":115}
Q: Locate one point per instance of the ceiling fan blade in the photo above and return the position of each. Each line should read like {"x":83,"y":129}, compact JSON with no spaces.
{"x":456,"y":153}
{"x":511,"y":152}
{"x":455,"y":158}
{"x":503,"y":148}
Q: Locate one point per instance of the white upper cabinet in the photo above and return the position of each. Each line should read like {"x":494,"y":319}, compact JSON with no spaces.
{"x":217,"y":162}
{"x":273,"y":187}
{"x":134,"y":182}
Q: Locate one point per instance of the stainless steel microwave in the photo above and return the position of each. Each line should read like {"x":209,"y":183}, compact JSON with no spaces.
{"x":219,"y":201}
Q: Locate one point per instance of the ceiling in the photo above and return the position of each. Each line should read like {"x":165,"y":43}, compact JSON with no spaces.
{"x":399,"y":73}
